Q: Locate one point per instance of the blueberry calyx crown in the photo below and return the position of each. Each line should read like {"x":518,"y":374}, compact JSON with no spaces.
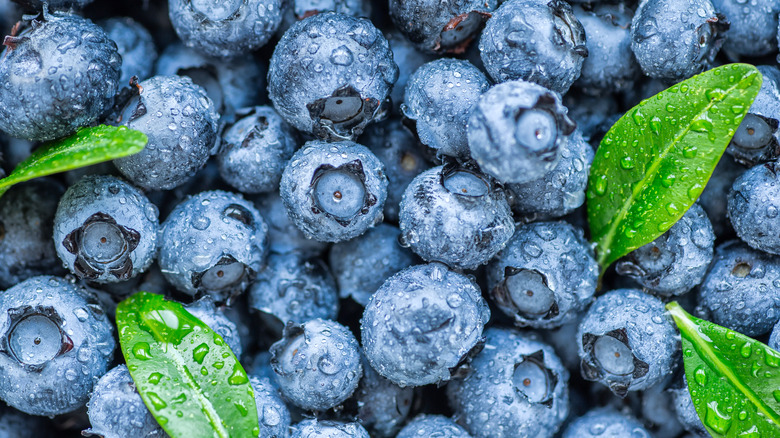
{"x":593,"y":370}
{"x":343,"y":115}
{"x":101,"y":244}
{"x":458,"y":33}
{"x":568,"y":30}
{"x":527,"y":294}
{"x":226,"y":275}
{"x":35,"y":337}
{"x":329,"y":197}
{"x":534,"y":381}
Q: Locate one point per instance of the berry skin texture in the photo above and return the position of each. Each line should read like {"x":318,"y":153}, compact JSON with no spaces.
{"x":181,"y":123}
{"x":213,"y":243}
{"x":686,"y":411}
{"x":306,"y":8}
{"x":739,"y":292}
{"x":382,"y":405}
{"x":317,"y":364}
{"x":455,"y":216}
{"x":516,"y":383}
{"x":312,"y":428}
{"x":756,"y":138}
{"x":436,"y":26}
{"x":752,"y":26}
{"x":271,"y":411}
{"x":754,"y":207}
{"x":255,"y":150}
{"x":774,"y":338}
{"x":516,"y":130}
{"x":105,"y":230}
{"x":116,"y":410}
{"x":561,"y":190}
{"x":26,"y":218}
{"x":672,"y":43}
{"x":675,"y":262}
{"x":400,"y":152}
{"x":605,"y":423}
{"x":422,"y":324}
{"x":362,"y":264}
{"x":330,"y":75}
{"x":545,"y":275}
{"x":334,"y":191}
{"x":610,"y":65}
{"x":293,"y":287}
{"x":56,"y":342}
{"x":537,"y":41}
{"x":432,"y":425}
{"x":439,"y":97}
{"x":229,"y":84}
{"x":134,"y":43}
{"x":225,"y":29}
{"x":38,"y":101}
{"x":618,"y":348}
{"x":283,"y":236}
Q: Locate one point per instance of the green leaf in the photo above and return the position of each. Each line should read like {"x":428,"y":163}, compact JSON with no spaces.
{"x":654,"y":162}
{"x":86,"y":147}
{"x":734,"y":380}
{"x":188,"y":377}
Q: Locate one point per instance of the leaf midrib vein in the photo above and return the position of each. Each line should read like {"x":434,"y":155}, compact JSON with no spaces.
{"x":639,"y":187}
{"x":708,"y":355}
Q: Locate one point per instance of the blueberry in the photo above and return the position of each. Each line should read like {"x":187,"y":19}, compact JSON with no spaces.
{"x":116,"y":409}
{"x":610,"y":65}
{"x":516,"y":383}
{"x":294,"y":288}
{"x":516,"y":130}
{"x":686,"y":411}
{"x":561,"y":190}
{"x":38,"y":99}
{"x":134,"y":44}
{"x":438,"y":98}
{"x":713,"y":198}
{"x":754,"y":207}
{"x":225,"y":29}
{"x":752,"y":26}
{"x":382,"y":405}
{"x":441,"y":26}
{"x":216,"y":319}
{"x":56,"y":342}
{"x":398,"y":149}
{"x":362,"y":264}
{"x":26,"y":218}
{"x":408,"y":59}
{"x":230,"y":84}
{"x":181,"y":124}
{"x":671,"y":43}
{"x":456,"y":216}
{"x":316,"y":364}
{"x":330,"y":75}
{"x":14,"y":424}
{"x":432,"y":426}
{"x":739,"y":291}
{"x":606,"y":423}
{"x":422,"y":324}
{"x":313,"y":428}
{"x":676,"y":261}
{"x":105,"y":230}
{"x":774,"y":338}
{"x":273,"y":415}
{"x":214,"y":243}
{"x":538,"y":41}
{"x":544,"y":276}
{"x":334,"y":192}
{"x":255,"y":150}
{"x":756,"y":138}
{"x":627,"y":341}
{"x":283,"y":236}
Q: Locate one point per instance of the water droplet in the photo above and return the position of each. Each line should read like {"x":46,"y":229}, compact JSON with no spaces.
{"x":200,"y":352}
{"x":627,"y":162}
{"x":746,"y":350}
{"x":156,"y":401}
{"x":701,"y":125}
{"x":717,"y":420}
{"x":700,"y":376}
{"x":238,"y":377}
{"x":142,"y":351}
{"x":600,"y":186}
{"x":155,"y":378}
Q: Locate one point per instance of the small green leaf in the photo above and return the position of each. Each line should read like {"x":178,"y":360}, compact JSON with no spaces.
{"x":734,"y":380}
{"x":86,"y":147}
{"x":186,"y":374}
{"x":654,"y":162}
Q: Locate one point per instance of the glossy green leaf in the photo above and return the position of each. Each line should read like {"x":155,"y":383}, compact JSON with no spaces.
{"x":734,"y":380}
{"x":86,"y":147}
{"x":654,"y":162}
{"x":186,"y":374}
